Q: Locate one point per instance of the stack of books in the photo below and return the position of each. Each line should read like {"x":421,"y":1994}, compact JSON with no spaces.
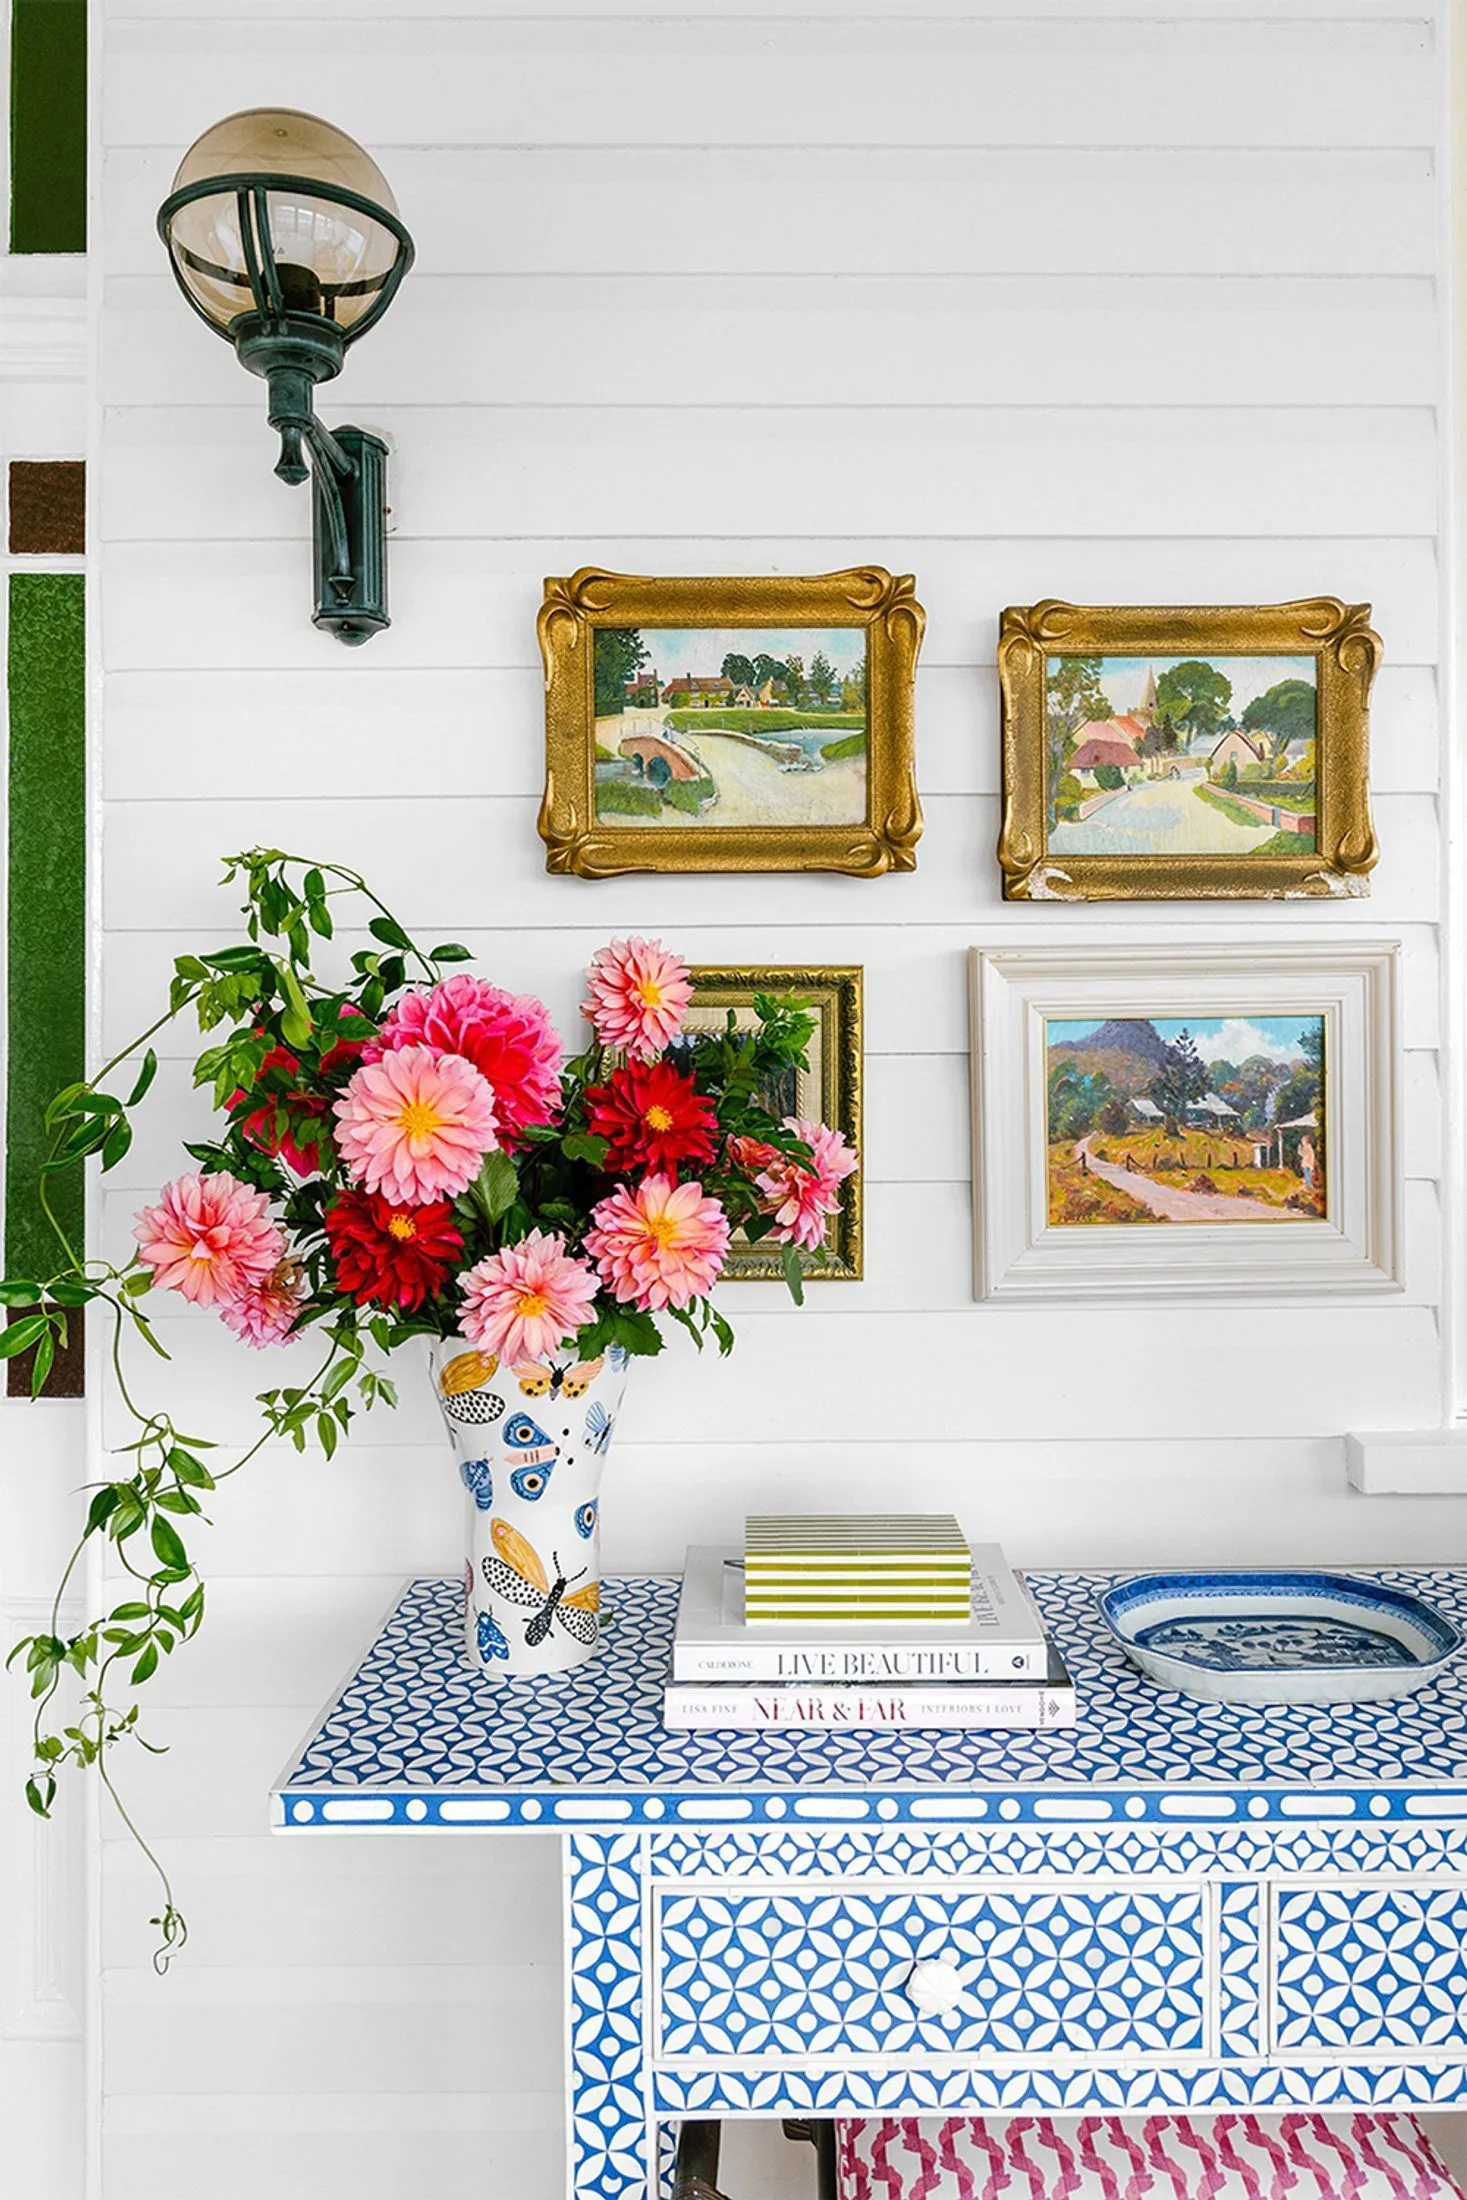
{"x":995,"y":1667}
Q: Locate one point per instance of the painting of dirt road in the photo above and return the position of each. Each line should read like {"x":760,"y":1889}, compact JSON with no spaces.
{"x":1166,"y":1120}
{"x":738,"y":726}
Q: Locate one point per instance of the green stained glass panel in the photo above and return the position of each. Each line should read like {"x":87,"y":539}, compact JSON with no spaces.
{"x":45,"y":901}
{"x":48,"y":125}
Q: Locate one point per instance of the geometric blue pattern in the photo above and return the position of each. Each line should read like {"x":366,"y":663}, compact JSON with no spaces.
{"x":1174,"y":1906}
{"x":1113,"y":1970}
{"x":418,"y":1739}
{"x":1371,"y":1967}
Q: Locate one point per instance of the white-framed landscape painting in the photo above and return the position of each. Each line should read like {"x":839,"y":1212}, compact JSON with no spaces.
{"x":1193,"y":1121}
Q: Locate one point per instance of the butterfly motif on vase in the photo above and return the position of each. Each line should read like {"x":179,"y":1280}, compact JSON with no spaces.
{"x":473,"y":1408}
{"x":531,"y":1483}
{"x":600,"y":1426}
{"x":585,"y":1517}
{"x":518,"y":1574}
{"x":478,"y":1480}
{"x":616,"y":1356}
{"x":531,"y":1444}
{"x":492,"y":1642}
{"x":536,"y":1379}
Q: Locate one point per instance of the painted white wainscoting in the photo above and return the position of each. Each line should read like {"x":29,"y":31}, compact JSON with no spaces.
{"x":1075,"y":297}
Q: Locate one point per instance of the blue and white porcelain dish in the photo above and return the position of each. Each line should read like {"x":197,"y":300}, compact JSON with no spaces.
{"x":1278,"y":1635}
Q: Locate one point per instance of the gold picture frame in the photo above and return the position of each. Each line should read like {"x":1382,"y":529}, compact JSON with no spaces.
{"x":879,"y":781}
{"x":1283,"y":849}
{"x":830,"y":1091}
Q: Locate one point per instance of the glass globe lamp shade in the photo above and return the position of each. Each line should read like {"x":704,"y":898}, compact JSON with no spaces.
{"x":278,"y":214}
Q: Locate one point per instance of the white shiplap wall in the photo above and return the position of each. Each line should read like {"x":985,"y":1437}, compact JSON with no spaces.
{"x":1095,"y":300}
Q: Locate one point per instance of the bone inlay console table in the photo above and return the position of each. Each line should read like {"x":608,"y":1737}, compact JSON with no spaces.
{"x":1176,"y":1905}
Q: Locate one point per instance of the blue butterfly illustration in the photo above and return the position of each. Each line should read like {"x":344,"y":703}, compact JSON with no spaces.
{"x":478,"y":1481}
{"x":492,"y":1643}
{"x":599,"y":1425}
{"x":616,"y":1355}
{"x":531,"y":1483}
{"x":585,"y":1517}
{"x":525,"y":1436}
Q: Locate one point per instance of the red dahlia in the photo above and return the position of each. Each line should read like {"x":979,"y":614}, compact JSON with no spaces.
{"x":398,"y":1256}
{"x":653,"y":1118}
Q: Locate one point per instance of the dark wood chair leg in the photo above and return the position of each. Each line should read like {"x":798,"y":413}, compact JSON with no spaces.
{"x":819,"y":2131}
{"x":695,"y":2170}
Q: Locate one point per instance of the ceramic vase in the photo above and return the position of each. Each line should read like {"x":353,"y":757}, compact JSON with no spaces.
{"x":530,"y":1440}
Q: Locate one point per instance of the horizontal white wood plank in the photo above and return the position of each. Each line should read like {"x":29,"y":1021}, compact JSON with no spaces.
{"x":432,"y":2028}
{"x":298,"y":1904}
{"x":657,"y":210}
{"x":237,"y":2155}
{"x":396,"y":1510}
{"x":916,"y":1115}
{"x":473,"y":604}
{"x":915,"y":976}
{"x":1247,"y":470}
{"x":1244,"y":82}
{"x":830,"y":340}
{"x":998,"y":11}
{"x":989,"y":1366}
{"x":290,"y":730}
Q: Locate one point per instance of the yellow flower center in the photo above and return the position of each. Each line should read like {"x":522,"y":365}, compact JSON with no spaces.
{"x":649,"y":993}
{"x":402,"y":1226}
{"x":661,"y":1227}
{"x":418,"y":1119}
{"x":532,"y":1303}
{"x":657,"y":1119}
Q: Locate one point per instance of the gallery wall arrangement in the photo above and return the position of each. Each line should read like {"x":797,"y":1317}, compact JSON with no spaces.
{"x":919,"y":536}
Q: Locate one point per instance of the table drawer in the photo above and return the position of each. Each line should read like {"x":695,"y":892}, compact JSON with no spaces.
{"x":1113,"y":1968}
{"x":1369,"y":1965}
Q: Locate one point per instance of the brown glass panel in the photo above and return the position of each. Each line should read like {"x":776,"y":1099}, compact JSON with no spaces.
{"x":48,"y":507}
{"x":68,"y":1369}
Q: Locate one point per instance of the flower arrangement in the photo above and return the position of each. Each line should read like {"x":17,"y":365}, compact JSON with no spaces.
{"x":404,"y":1153}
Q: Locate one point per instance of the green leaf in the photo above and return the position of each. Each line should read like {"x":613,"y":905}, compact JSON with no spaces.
{"x":15,"y":1291}
{"x":190,"y":1470}
{"x":20,"y":1336}
{"x":452,"y":951}
{"x":236,"y":958}
{"x":586,"y":1146}
{"x":33,"y":1795}
{"x":794,"y":1274}
{"x":168,"y":1548}
{"x":41,"y":1365}
{"x":146,"y":1666}
{"x":496,"y":1187}
{"x":326,"y":1433}
{"x":390,"y":932}
{"x":295,"y":1020}
{"x":73,"y":1293}
{"x":119,"y":1138}
{"x":145,"y":1078}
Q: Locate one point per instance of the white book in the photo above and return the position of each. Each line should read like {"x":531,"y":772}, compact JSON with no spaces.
{"x":690,"y":1706}
{"x":1002,"y":1640}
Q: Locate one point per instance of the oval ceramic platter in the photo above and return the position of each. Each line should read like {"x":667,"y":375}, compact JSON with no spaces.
{"x":1272,"y":1636}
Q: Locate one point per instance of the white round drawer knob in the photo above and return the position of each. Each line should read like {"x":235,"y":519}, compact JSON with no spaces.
{"x":934,"y":1985}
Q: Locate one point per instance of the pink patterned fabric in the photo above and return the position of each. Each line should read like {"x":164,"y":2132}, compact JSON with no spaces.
{"x":1237,"y":2156}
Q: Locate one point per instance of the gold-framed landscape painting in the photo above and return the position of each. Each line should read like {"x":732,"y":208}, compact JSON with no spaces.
{"x":829,"y":1091}
{"x":730,"y":725}
{"x":1188,"y":753}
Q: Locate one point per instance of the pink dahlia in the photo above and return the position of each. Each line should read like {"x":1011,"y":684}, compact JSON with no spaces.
{"x":526,"y":1301}
{"x":507,"y":1037}
{"x":265,"y":1314}
{"x":659,"y":1245}
{"x":803,"y":1196}
{"x":209,"y":1237}
{"x":416,"y":1125}
{"x":638,"y":993}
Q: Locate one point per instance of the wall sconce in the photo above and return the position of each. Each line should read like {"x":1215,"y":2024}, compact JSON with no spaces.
{"x":285,"y":239}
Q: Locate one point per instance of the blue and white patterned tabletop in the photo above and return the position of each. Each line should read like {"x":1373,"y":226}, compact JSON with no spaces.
{"x":419,"y":1741}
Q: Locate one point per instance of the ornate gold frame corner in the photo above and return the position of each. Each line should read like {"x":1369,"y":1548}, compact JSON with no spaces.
{"x":577,"y":843}
{"x":1347,"y":653}
{"x":834,"y":991}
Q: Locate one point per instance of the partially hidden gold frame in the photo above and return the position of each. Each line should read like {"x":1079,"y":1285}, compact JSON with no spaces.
{"x":1346,"y":652}
{"x":834,"y":994}
{"x":868,"y":596}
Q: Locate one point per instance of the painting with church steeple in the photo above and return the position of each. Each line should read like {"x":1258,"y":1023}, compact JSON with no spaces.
{"x":1180,"y":756}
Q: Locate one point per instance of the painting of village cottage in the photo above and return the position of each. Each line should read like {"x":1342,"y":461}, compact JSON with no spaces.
{"x":1192,"y":756}
{"x":1160,"y":1120}
{"x":730,"y":727}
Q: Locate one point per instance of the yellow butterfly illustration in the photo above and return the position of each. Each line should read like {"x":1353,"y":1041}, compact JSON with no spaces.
{"x":535,"y":1379}
{"x":518,"y":1573}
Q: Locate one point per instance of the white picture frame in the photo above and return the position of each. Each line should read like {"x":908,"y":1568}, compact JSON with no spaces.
{"x":1353,"y":985}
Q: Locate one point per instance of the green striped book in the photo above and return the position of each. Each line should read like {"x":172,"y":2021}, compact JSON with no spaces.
{"x":857,"y":1566}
